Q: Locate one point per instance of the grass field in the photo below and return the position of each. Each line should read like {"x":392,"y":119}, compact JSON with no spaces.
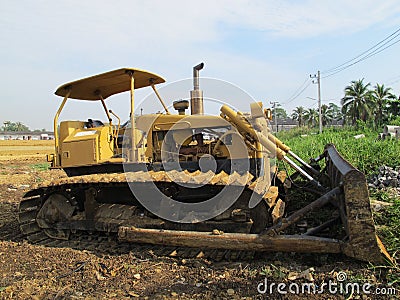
{"x":367,"y":154}
{"x":27,"y":148}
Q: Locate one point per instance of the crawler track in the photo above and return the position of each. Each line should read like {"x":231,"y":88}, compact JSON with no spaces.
{"x":107,"y":242}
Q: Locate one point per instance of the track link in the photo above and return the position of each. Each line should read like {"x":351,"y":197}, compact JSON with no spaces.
{"x":108,"y":242}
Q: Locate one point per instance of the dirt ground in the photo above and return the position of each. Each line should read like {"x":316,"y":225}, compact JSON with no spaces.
{"x":36,"y":272}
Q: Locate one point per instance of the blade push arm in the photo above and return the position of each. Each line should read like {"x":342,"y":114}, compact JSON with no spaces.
{"x":271,"y":143}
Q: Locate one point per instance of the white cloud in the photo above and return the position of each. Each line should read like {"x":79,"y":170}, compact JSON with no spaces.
{"x":302,"y":19}
{"x":104,"y":24}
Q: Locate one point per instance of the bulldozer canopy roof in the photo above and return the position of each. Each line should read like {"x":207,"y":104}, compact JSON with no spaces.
{"x":107,"y":84}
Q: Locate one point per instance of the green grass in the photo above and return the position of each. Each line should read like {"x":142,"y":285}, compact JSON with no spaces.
{"x":389,"y":219}
{"x":366,"y":154}
{"x":41,"y":166}
{"x":388,"y":223}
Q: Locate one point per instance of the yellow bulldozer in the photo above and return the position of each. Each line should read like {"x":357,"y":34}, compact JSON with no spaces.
{"x":192,"y":181}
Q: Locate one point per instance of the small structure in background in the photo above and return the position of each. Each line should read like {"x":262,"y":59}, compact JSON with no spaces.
{"x":44,"y":136}
{"x":283,"y":124}
{"x":390,"y":132}
{"x":26,"y":135}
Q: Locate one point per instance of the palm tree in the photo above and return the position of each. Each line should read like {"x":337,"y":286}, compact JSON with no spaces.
{"x":346,"y":112}
{"x":326,"y":114}
{"x":381,"y":96}
{"x":311,"y":117}
{"x":298,"y":115}
{"x":394,"y":108}
{"x":335,"y":111}
{"x":357,"y":101}
{"x":20,"y":127}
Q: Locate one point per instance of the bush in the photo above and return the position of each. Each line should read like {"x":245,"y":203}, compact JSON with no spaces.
{"x":395,"y":121}
{"x":367,"y":154}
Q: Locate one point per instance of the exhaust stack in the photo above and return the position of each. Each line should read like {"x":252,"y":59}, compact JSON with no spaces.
{"x":196,"y":95}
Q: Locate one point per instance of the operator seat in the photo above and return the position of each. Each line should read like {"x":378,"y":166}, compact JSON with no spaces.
{"x":93,"y":123}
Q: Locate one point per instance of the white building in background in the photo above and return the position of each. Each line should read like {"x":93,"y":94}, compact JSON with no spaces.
{"x":26,"y":135}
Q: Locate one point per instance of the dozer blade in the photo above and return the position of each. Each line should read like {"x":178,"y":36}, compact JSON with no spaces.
{"x":356,"y":214}
{"x":348,"y":193}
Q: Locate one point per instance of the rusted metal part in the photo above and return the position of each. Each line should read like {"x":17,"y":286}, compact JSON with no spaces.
{"x":54,"y":210}
{"x":282,"y":175}
{"x":90,"y":203}
{"x":299,"y":214}
{"x":271,"y":195}
{"x":278,"y":211}
{"x":234,"y":241}
{"x":98,"y":215}
{"x":196,"y":177}
{"x":355,"y":210}
{"x":327,"y":224}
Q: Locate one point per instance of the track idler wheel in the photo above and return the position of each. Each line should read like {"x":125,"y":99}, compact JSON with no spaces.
{"x":56,"y":209}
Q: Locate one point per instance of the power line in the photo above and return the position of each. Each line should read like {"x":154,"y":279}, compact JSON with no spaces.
{"x":378,"y":48}
{"x":301,"y":86}
{"x":394,"y":79}
{"x":295,"y":96}
{"x":361,"y":59}
{"x":366,"y":51}
{"x":365,"y":57}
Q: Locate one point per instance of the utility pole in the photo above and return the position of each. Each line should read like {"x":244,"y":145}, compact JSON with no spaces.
{"x":274,"y":103}
{"x":318,"y":81}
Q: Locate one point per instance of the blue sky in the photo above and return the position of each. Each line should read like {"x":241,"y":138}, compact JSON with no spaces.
{"x":267,"y":48}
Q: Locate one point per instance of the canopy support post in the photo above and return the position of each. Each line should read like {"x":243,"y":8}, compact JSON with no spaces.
{"x":133,"y":127}
{"x":57,"y":160}
{"x":159,"y":98}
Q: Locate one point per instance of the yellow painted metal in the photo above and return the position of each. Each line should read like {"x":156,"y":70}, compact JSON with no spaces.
{"x":245,"y":127}
{"x":116,"y":131}
{"x":84,"y":146}
{"x":268,"y":113}
{"x":105,"y":108}
{"x":108,"y":84}
{"x":145,"y":122}
{"x":181,"y":125}
{"x":80,"y":152}
{"x":101,"y":86}
{"x":278,"y":142}
{"x":67,"y":128}
{"x":56,"y":141}
{"x":159,"y":98}
{"x":133,"y":157}
{"x":183,"y":137}
{"x":50,"y":157}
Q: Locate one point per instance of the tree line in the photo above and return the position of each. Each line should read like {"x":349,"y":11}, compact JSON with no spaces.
{"x":17,"y":127}
{"x":375,"y":106}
